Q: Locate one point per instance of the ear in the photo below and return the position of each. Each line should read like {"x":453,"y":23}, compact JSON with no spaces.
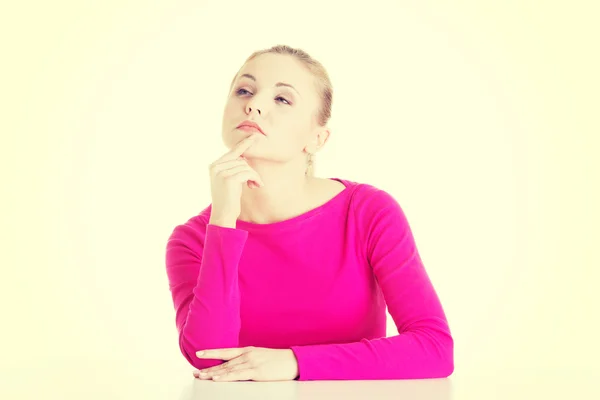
{"x":319,"y":138}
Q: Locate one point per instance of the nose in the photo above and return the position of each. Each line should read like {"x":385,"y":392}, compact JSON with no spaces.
{"x":252,"y":105}
{"x":249,"y":109}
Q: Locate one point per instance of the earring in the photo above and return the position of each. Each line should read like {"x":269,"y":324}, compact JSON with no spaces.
{"x":310,"y":158}
{"x":309,"y":164}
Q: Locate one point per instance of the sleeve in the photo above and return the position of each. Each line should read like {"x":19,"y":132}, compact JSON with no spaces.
{"x":202,"y":269}
{"x":424,"y":347}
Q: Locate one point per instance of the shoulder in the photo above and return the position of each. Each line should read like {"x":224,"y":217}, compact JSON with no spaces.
{"x":374,"y":207}
{"x":191,"y":232}
{"x":369,"y":198}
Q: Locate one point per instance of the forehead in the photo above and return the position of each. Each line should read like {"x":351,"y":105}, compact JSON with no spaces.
{"x":272,"y":68}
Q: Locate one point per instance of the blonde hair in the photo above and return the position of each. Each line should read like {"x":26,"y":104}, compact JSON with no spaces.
{"x":322,"y":85}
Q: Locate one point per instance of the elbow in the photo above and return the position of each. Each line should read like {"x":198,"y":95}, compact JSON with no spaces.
{"x":442,"y":367}
{"x":441,"y":361}
{"x":447,"y":367}
{"x":190,"y":355}
{"x":446,"y":362}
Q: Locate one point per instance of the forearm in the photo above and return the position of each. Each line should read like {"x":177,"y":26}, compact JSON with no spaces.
{"x":417,"y":354}
{"x":210,"y":316}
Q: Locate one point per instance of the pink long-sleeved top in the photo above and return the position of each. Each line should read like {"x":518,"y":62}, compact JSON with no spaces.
{"x":317,"y":284}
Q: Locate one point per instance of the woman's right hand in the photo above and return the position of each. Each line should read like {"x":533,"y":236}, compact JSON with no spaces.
{"x":227,"y":175}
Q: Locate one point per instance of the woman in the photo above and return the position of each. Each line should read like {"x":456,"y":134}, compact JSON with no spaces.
{"x":285,"y":275}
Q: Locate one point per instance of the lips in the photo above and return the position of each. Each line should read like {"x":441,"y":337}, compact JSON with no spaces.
{"x":250,"y":126}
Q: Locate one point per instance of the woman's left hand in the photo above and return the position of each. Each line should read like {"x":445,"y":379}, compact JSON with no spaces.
{"x":250,"y":363}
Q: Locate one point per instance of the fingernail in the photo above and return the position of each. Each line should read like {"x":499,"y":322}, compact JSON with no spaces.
{"x":216,"y":377}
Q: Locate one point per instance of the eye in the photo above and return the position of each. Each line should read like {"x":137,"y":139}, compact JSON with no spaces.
{"x":287,"y":102}
{"x":244,"y":91}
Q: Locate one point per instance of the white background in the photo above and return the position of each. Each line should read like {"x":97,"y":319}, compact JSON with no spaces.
{"x":480,"y":117}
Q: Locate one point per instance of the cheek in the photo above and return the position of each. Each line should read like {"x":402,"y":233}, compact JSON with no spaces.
{"x":229,"y":107}
{"x":290,"y":140}
{"x":232,"y":114}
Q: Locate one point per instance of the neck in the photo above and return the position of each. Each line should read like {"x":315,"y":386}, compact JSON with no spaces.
{"x":285,"y":192}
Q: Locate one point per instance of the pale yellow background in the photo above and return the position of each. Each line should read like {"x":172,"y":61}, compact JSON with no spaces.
{"x":480,"y":117}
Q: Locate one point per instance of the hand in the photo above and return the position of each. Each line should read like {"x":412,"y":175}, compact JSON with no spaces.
{"x":227,"y":174}
{"x":250,"y":363}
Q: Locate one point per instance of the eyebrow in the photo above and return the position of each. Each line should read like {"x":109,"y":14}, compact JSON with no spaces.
{"x":278,"y":84}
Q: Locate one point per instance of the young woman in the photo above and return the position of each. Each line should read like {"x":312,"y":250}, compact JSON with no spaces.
{"x":286,"y":275}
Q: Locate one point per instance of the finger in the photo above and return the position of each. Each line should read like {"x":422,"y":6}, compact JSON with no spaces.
{"x":224,"y":370}
{"x":239,"y":149}
{"x":225,"y":367}
{"x":231,"y":168}
{"x":244,"y":175}
{"x":251,"y":184}
{"x":243,"y":145}
{"x":257,"y":180}
{"x":217,"y":167}
{"x":234,"y":170}
{"x":199,"y":375}
{"x":244,"y":374}
{"x":220,"y":354}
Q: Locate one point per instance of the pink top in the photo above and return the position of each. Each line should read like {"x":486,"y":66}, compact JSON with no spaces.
{"x":318,"y":284}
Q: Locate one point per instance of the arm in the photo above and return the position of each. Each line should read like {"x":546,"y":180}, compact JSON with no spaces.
{"x":202,"y":268}
{"x":424,"y":346}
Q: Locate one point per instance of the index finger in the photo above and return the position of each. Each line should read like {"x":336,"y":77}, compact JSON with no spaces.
{"x":239,"y":149}
{"x":221,"y":354}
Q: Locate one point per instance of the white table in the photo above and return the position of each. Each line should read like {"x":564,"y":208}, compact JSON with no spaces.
{"x":112,"y":379}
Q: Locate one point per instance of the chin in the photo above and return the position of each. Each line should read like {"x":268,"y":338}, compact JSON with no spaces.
{"x":231,"y":139}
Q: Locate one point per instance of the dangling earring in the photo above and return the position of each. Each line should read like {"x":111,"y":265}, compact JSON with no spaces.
{"x":310,"y":164}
